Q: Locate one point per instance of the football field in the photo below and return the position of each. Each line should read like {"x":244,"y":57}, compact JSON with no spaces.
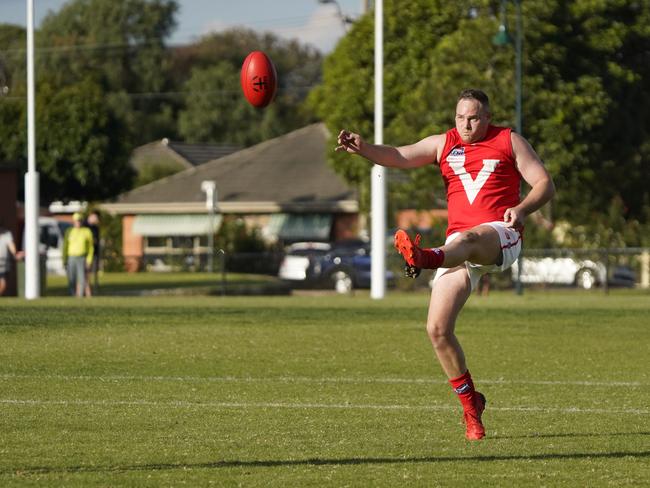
{"x":322,"y":391}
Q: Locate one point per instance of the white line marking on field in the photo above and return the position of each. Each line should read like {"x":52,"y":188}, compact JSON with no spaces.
{"x":306,"y":379}
{"x":338,"y":406}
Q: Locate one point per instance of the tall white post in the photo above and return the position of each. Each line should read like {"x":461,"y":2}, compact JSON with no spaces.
{"x":378,"y":173}
{"x":210,"y":189}
{"x":32,"y":258}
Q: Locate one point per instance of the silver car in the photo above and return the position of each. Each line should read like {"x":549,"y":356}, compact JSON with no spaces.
{"x":583,"y":273}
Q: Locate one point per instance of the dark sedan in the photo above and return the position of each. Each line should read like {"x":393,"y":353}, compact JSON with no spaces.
{"x":342,"y":266}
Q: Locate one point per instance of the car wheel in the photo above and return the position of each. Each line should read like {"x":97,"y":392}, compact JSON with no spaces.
{"x":342,"y":282}
{"x":586,"y":279}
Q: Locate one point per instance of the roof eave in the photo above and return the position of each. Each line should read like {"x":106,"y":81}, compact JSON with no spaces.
{"x":339,"y":206}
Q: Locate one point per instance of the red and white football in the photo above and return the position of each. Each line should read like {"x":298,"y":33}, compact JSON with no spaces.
{"x":258,"y":78}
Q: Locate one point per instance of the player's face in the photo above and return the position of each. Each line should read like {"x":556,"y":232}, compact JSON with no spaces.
{"x":472,"y":120}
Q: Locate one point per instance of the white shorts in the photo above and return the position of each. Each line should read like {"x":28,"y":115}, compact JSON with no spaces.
{"x":510,"y":247}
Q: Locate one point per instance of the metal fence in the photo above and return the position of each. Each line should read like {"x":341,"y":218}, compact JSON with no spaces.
{"x":584,"y":268}
{"x":548,"y":268}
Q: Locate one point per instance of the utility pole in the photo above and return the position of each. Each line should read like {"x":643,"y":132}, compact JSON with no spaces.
{"x":378,"y":173}
{"x":32,"y":252}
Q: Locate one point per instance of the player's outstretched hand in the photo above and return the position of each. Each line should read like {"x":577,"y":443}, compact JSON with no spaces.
{"x":349,"y":142}
{"x":514,"y":218}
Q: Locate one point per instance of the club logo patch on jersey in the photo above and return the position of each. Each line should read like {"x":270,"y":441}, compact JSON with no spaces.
{"x":457,"y":155}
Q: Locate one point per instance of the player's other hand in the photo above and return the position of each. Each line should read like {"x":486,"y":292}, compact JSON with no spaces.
{"x":349,"y":142}
{"x":513,"y":217}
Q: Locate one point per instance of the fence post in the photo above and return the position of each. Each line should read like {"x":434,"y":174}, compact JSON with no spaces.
{"x":605,"y":258}
{"x":645,"y":269}
{"x":223,"y":272}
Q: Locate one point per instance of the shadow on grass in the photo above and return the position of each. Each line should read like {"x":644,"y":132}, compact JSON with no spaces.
{"x":323,"y":462}
{"x":568,"y":434}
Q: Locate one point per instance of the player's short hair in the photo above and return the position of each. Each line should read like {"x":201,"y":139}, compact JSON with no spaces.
{"x":478,"y":95}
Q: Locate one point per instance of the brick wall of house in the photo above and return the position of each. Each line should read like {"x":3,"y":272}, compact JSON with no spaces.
{"x":132,"y":245}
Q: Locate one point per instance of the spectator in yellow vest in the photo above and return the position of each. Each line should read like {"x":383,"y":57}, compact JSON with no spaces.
{"x":77,"y":254}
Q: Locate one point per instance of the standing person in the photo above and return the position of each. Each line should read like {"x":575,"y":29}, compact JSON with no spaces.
{"x":482,"y":166}
{"x":7,"y":254}
{"x":77,"y":254}
{"x":92,"y":222}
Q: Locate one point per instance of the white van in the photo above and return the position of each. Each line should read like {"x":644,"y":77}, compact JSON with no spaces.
{"x":52,"y":232}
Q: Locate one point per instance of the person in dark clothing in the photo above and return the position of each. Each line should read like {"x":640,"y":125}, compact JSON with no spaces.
{"x":92,"y":222}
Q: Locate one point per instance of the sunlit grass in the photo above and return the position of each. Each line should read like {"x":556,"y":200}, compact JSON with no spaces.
{"x":321,"y":390}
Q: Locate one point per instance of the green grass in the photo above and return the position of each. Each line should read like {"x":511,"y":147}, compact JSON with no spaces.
{"x":322,"y":390}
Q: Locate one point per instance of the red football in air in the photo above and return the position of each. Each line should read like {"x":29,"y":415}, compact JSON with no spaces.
{"x":258,"y":79}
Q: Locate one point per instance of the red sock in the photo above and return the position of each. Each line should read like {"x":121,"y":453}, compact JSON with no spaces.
{"x":431,"y":258}
{"x":464,"y":388}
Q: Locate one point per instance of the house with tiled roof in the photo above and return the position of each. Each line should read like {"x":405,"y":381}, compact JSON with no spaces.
{"x":283,"y":186}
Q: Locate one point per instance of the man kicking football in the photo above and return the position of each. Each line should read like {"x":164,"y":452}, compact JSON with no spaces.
{"x":482,"y":166}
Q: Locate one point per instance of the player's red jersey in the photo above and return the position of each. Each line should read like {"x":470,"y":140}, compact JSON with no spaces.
{"x":481,"y":178}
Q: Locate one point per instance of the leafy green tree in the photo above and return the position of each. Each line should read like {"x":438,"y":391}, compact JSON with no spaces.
{"x":12,"y":92}
{"x":12,"y":134}
{"x":79,"y":152}
{"x":76,"y":158}
{"x":97,"y":62}
{"x":120,"y":46}
{"x":586,"y":74}
{"x":12,"y":57}
{"x":215,"y":111}
{"x":137,"y":90}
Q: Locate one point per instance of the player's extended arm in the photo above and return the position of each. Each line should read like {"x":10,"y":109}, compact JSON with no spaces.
{"x":412,"y":156}
{"x":534,"y":173}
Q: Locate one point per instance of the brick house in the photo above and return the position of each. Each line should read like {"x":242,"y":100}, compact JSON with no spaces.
{"x":282,"y":186}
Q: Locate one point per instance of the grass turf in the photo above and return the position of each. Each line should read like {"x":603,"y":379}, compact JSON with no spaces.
{"x":311,"y":391}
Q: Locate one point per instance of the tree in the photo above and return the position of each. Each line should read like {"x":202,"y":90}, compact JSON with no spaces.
{"x":587,"y":76}
{"x":586,"y":73}
{"x":76,"y":157}
{"x":12,"y":92}
{"x":215,"y":111}
{"x":121,"y":47}
{"x":96,"y":63}
{"x":124,"y":87}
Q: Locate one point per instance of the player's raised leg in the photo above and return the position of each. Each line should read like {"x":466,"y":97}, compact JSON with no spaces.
{"x":479,"y":245}
{"x":449,"y":294}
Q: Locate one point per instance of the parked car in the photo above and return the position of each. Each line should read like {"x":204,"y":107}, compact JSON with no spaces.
{"x":343,"y":266}
{"x":583,"y":273}
{"x":52,"y":232}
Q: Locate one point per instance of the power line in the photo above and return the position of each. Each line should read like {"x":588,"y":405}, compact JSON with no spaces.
{"x":298,"y":26}
{"x":179,"y":94}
